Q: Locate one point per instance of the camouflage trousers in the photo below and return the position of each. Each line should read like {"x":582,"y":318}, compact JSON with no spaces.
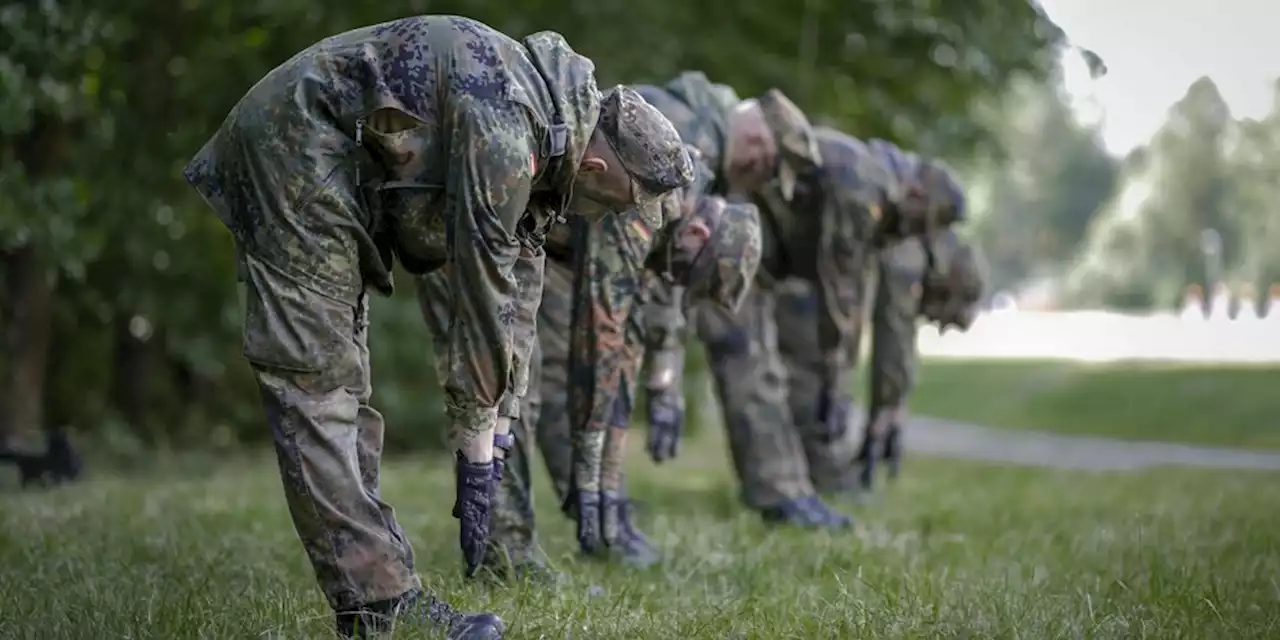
{"x":893,"y":366}
{"x":830,"y":464}
{"x":544,"y":411}
{"x":310,"y":356}
{"x":754,"y":388}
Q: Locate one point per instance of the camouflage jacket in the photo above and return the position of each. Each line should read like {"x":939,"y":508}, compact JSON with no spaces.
{"x":827,"y":234}
{"x":473,"y":135}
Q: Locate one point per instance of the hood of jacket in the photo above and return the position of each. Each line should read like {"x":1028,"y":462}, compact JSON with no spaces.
{"x":575,"y":102}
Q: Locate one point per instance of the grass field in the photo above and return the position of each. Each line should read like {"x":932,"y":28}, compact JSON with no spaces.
{"x":955,"y":550}
{"x":1232,"y":405}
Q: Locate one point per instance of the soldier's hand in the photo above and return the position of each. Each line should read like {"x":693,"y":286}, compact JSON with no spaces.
{"x":834,"y":411}
{"x":473,"y":509}
{"x":665,"y":409}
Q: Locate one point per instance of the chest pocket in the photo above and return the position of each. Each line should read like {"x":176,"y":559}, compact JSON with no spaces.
{"x":408,"y":200}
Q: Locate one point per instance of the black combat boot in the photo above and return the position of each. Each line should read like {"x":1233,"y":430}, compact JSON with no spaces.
{"x":809,"y":512}
{"x":834,"y":519}
{"x":378,"y":618}
{"x":893,"y":450}
{"x":635,"y":548}
{"x":867,"y":458}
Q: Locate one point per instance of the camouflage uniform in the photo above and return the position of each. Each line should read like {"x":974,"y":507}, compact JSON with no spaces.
{"x":700,"y":111}
{"x":543,"y":418}
{"x":796,"y":316}
{"x":841,"y":213}
{"x":393,"y":141}
{"x":902,"y":290}
{"x":897,"y":274}
{"x":948,"y":294}
{"x":589,"y":344}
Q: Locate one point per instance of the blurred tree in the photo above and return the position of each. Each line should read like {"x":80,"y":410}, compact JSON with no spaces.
{"x":1180,"y":189}
{"x":1254,"y":161}
{"x":1038,"y":198}
{"x":119,"y":292}
{"x":46,"y":114}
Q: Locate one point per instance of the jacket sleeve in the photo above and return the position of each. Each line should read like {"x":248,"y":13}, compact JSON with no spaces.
{"x":603,"y":363}
{"x":663,"y":322}
{"x":663,"y":330}
{"x":487,"y":192}
{"x":893,"y":342}
{"x":842,"y":257}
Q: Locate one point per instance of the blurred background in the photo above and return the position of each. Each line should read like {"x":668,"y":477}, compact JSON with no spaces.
{"x":1123,"y":183}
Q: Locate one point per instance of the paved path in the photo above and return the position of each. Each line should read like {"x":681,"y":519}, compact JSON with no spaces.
{"x":946,"y":438}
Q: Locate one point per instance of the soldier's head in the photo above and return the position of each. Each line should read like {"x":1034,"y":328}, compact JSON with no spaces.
{"x":953,"y":291}
{"x":769,"y":138}
{"x":634,"y":157}
{"x":713,"y":251}
{"x":931,"y":198}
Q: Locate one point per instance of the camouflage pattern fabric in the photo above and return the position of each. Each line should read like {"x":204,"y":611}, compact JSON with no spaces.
{"x":899,"y":278}
{"x":590,"y":342}
{"x":796,"y":314}
{"x":798,"y":149}
{"x":822,"y":237}
{"x":951,"y":294}
{"x":543,"y":421}
{"x":544,"y":416}
{"x":700,"y":111}
{"x":610,"y":260}
{"x":827,"y":236}
{"x":474,"y":136}
{"x":899,"y":288}
{"x":751,"y":384}
{"x":902,"y":285}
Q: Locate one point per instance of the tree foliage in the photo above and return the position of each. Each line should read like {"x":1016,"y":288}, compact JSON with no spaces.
{"x":1038,"y":197}
{"x":1147,"y":244}
{"x":102,"y":103}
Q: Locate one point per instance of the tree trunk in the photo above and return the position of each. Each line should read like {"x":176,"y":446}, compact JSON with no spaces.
{"x":130,"y":375}
{"x":27,"y":336}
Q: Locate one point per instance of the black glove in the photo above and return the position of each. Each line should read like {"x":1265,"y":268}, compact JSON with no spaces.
{"x":665,"y":409}
{"x":472,"y":508}
{"x":834,"y":411}
{"x":506,"y":442}
{"x":600,"y":521}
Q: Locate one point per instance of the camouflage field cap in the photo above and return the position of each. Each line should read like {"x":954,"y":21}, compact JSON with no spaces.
{"x":951,"y":295}
{"x":648,"y":146}
{"x":797,"y":144}
{"x":946,"y":199}
{"x":723,"y":270}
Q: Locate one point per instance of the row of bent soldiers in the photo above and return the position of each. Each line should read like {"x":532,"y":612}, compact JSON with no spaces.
{"x":559,"y":235}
